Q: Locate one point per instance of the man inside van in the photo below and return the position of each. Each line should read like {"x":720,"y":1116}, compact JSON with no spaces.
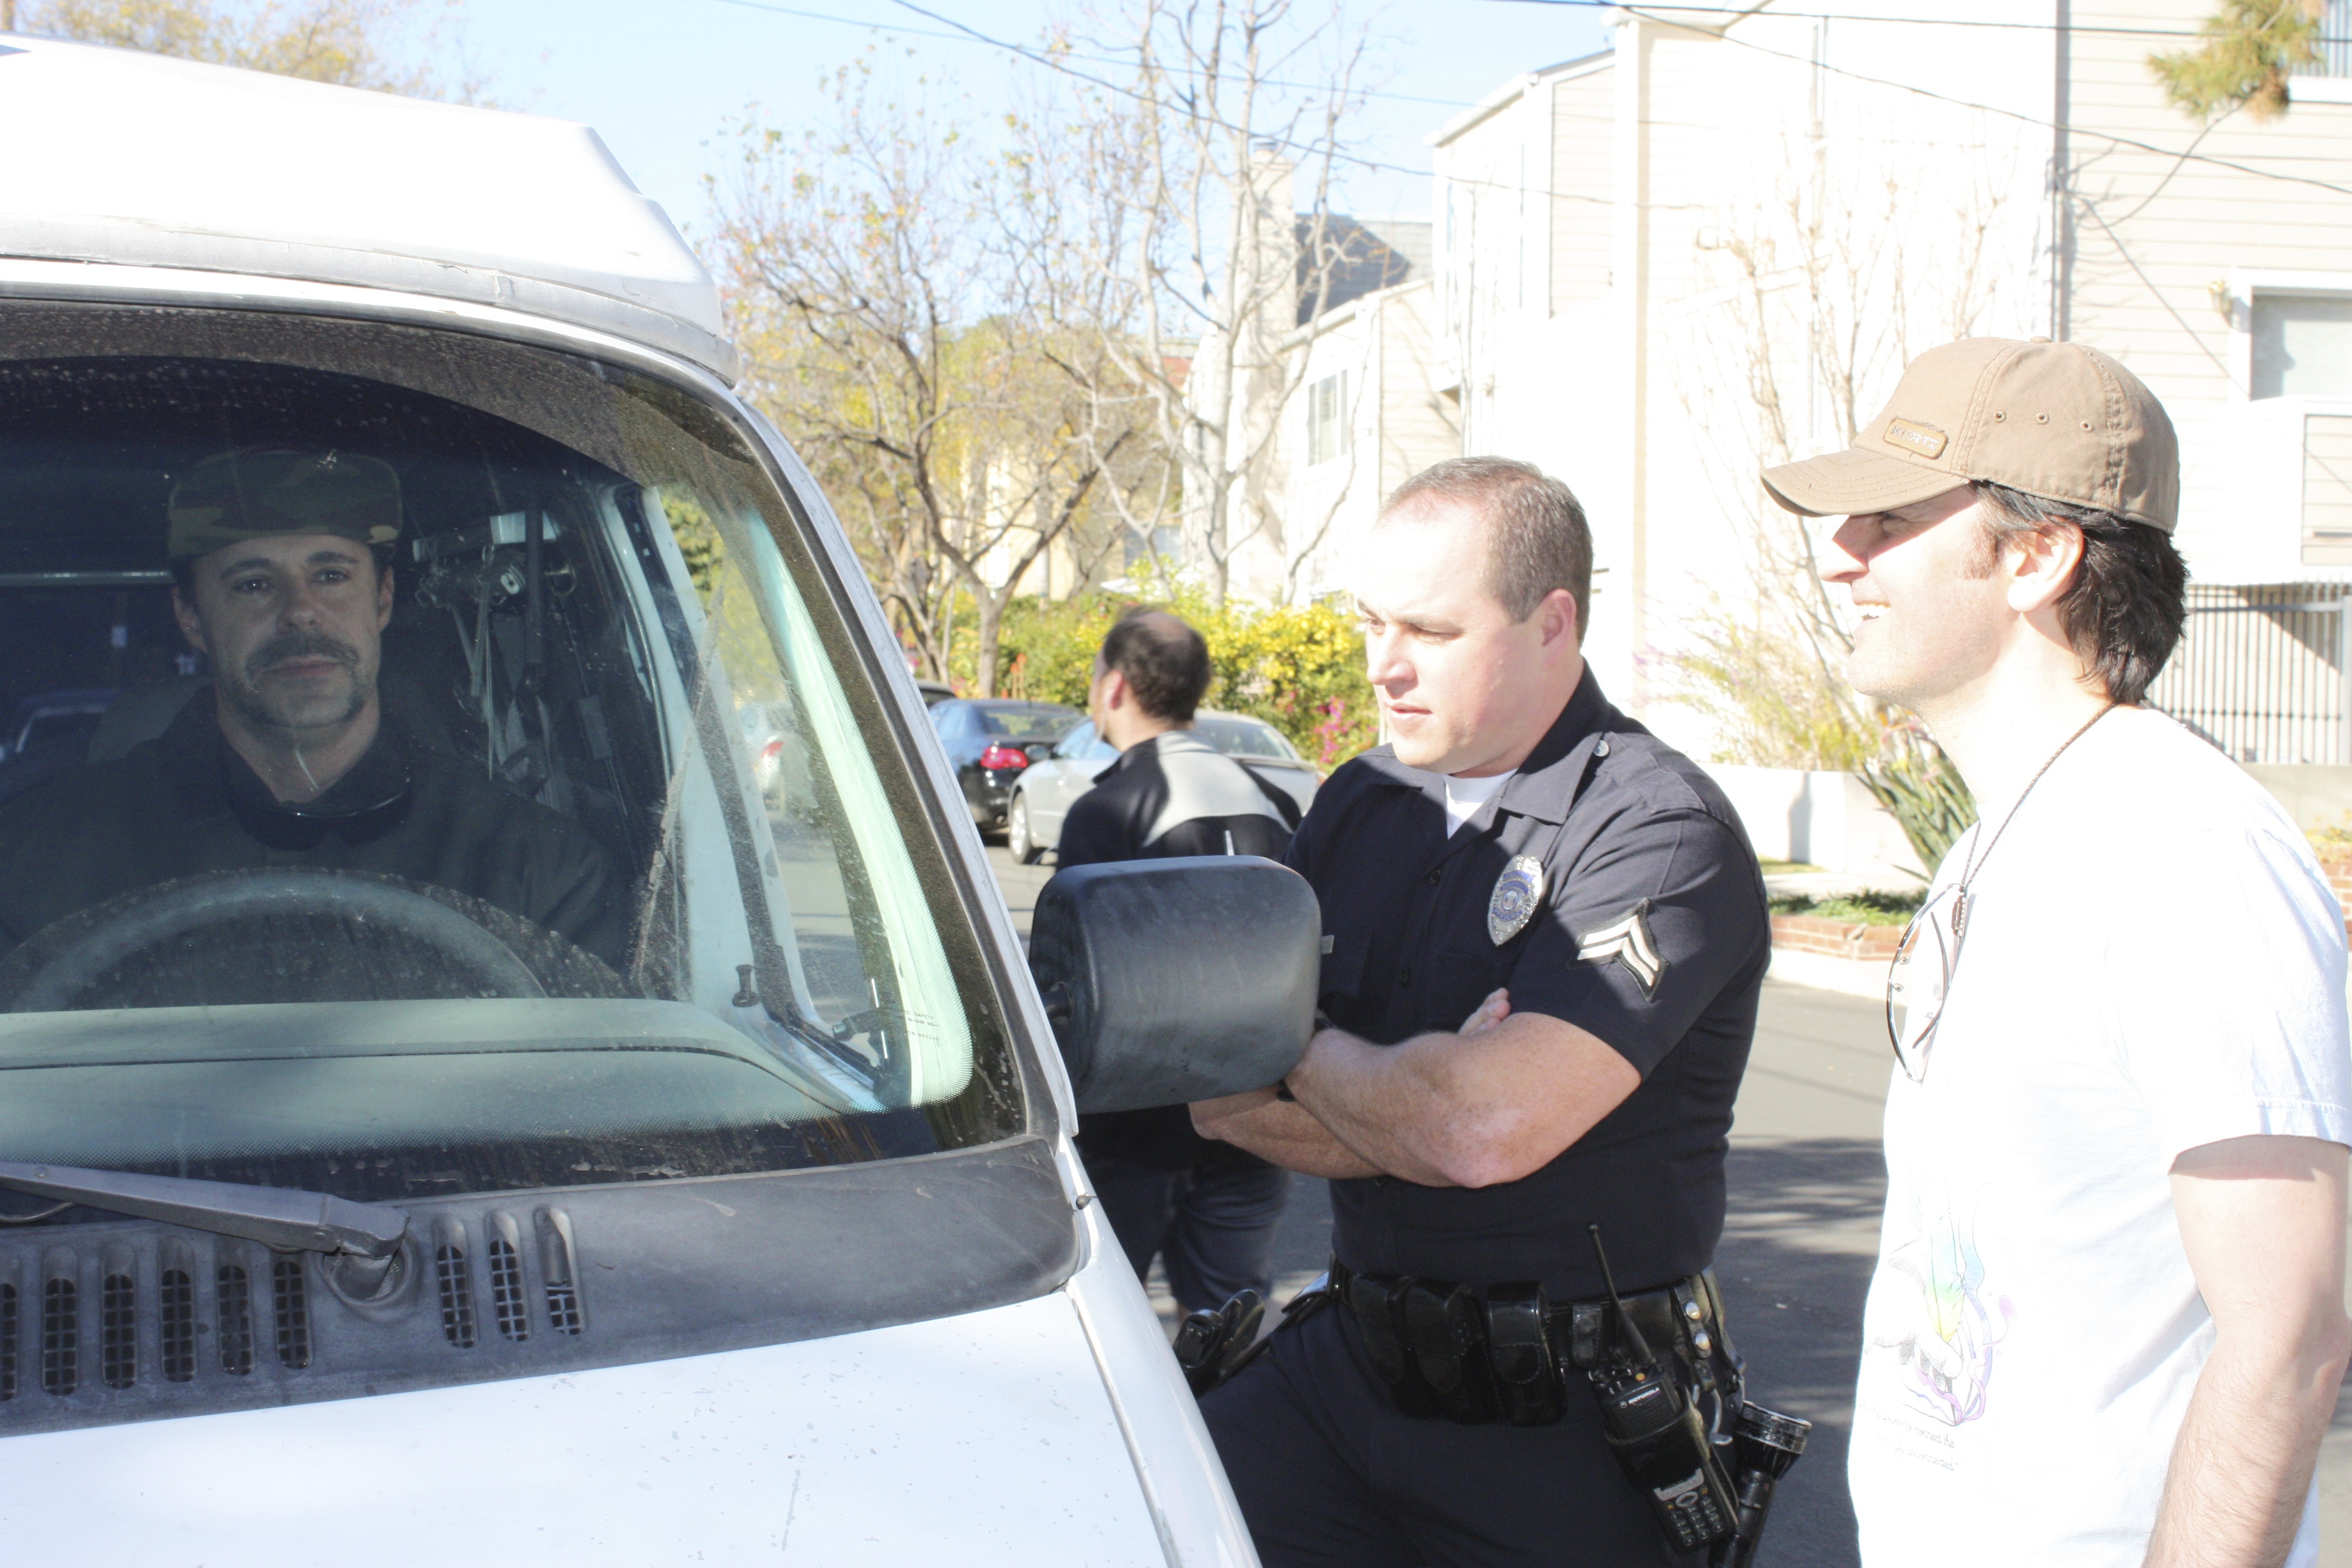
{"x":1208,"y":1209}
{"x":282,"y":579}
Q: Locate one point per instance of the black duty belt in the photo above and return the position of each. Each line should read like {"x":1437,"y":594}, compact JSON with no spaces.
{"x":1504,"y":1353}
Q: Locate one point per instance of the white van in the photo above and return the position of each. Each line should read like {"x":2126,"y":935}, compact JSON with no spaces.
{"x":355,"y":1209}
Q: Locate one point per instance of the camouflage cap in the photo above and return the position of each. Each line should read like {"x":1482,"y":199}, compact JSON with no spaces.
{"x":255,"y":492}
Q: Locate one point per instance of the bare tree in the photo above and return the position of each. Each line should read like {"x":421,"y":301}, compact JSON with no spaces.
{"x":965,"y":415}
{"x":387,"y":45}
{"x":1203,"y":145}
{"x":1827,"y":285}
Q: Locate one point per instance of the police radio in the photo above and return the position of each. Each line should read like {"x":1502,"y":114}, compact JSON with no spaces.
{"x":1657,"y":1433}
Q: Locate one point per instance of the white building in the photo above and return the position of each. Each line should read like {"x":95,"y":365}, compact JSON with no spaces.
{"x":1360,"y":415}
{"x":1716,"y":244}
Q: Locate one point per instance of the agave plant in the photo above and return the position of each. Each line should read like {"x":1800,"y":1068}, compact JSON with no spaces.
{"x":1912,"y":778}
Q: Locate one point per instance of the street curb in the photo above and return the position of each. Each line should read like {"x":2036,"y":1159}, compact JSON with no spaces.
{"x":1854,"y":976}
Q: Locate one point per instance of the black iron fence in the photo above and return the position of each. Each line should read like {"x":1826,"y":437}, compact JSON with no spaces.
{"x":2261,"y":672}
{"x":2334,"y":40}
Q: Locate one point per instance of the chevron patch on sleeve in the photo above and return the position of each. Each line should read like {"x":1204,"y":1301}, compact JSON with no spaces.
{"x":1627,"y":940}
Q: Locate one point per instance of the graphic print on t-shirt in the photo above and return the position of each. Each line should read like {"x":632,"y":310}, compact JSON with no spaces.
{"x":1945,"y":1330}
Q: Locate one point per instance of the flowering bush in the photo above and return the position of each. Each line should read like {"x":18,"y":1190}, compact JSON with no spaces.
{"x":1300,"y":668}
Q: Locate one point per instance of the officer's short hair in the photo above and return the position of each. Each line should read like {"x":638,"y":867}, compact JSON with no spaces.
{"x":1165,"y":661}
{"x":2126,"y":606}
{"x":1538,"y":538}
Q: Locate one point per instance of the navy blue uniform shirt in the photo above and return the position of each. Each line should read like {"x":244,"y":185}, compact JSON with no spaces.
{"x":1651,"y":933}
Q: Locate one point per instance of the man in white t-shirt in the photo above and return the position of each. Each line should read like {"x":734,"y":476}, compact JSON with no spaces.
{"x":2107,"y":1322}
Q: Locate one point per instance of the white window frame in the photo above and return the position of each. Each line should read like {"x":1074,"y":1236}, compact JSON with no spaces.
{"x":1342,"y":419}
{"x":2269,"y":459}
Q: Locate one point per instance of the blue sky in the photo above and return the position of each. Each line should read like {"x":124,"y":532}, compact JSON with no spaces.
{"x":659,"y":82}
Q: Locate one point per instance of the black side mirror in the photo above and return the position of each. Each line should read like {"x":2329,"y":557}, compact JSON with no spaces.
{"x":1172,"y":981}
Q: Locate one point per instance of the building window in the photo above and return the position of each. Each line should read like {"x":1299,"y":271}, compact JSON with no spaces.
{"x":2335,"y":41}
{"x":1327,"y":419}
{"x":2303,"y":345}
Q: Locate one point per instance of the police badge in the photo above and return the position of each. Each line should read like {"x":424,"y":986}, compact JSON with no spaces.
{"x":1519,"y":893}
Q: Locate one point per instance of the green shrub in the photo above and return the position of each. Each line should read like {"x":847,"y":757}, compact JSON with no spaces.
{"x":1863,"y":908}
{"x":1300,"y":667}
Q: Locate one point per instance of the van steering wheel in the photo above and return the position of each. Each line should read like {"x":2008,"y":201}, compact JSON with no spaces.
{"x":177,"y":909}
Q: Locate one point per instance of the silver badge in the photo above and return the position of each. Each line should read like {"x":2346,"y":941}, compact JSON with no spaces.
{"x":1626,"y":940}
{"x":1519,"y":893}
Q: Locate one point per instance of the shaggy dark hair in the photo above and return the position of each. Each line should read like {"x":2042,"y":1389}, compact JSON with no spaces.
{"x":1166,"y":662}
{"x":1539,"y":540}
{"x":2123,"y":610}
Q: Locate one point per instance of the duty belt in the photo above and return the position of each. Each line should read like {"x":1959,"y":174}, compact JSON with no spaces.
{"x":1504,"y":1353}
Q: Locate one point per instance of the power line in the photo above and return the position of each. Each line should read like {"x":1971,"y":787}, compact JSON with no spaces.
{"x":968,"y":37}
{"x":1739,"y":12}
{"x":2070,"y":127}
{"x":964,"y":32}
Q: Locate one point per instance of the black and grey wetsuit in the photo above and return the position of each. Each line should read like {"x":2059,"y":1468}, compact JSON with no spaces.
{"x":1176,"y":794}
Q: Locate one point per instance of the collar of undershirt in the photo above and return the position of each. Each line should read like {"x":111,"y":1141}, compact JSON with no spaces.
{"x":1546,"y":784}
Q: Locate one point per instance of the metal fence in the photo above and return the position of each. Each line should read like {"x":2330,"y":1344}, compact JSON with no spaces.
{"x":2335,"y":41}
{"x":2261,"y":672}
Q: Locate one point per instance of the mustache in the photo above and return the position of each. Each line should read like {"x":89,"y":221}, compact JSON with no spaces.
{"x":299,"y":645}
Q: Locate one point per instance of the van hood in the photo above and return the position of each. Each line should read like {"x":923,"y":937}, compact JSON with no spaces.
{"x":981,"y":1439}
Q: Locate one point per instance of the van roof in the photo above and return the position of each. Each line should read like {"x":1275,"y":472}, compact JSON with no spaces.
{"x":142,"y":161}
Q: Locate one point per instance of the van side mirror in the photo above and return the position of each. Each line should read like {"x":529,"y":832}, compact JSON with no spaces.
{"x":1172,"y":981}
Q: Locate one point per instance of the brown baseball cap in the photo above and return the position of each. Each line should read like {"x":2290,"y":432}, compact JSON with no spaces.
{"x":2056,"y":420}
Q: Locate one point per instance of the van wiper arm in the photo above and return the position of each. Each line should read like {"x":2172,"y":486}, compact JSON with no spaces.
{"x":286,"y":1218}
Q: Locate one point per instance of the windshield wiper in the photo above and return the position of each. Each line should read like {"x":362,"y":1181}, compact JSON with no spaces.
{"x":362,"y":1240}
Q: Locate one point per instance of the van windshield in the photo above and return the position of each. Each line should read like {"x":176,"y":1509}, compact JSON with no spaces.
{"x":439,"y":766}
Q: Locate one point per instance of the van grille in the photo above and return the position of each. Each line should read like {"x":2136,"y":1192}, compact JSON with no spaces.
{"x":7,"y":1341}
{"x":293,"y":1311}
{"x":179,"y":1323}
{"x":117,"y":1332}
{"x":505,"y":1289}
{"x":235,"y":1321}
{"x":60,"y":1336}
{"x":455,"y":1284}
{"x":155,"y":1306}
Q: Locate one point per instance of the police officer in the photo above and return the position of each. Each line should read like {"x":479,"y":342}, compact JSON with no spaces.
{"x":281,"y":578}
{"x":1208,"y":1208}
{"x":1544,"y":937}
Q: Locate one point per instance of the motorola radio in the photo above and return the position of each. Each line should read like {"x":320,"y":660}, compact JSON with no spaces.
{"x":1656,"y":1432}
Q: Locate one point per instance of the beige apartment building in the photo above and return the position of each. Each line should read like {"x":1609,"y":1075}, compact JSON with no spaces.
{"x":1715,"y":244}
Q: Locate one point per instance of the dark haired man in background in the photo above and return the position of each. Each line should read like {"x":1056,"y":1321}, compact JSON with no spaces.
{"x":2107,"y":1324}
{"x":1208,"y":1209}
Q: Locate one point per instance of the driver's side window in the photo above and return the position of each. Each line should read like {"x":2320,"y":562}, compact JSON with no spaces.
{"x":1077,"y":741}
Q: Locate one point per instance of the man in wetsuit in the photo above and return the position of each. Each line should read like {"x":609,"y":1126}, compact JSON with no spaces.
{"x":281,"y":561}
{"x":1207,"y":1210}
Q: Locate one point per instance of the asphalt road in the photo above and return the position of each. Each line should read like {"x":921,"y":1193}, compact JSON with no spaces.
{"x":1807,"y":1184}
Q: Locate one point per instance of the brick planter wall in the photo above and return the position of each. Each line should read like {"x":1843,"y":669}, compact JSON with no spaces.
{"x":1836,"y":939}
{"x":2339,"y":877}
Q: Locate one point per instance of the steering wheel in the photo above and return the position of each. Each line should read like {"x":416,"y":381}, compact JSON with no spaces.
{"x":178,"y":908}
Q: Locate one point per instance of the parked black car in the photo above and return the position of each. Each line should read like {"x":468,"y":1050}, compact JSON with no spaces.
{"x":989,"y":742}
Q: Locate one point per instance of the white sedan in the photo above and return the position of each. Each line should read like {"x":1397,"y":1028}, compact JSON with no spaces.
{"x":1042,"y":795}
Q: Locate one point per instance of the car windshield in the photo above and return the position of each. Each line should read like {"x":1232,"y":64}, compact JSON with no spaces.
{"x":484,"y":790}
{"x":1243,"y":737}
{"x":1025,"y":724}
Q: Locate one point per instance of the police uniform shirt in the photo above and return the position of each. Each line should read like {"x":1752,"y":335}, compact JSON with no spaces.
{"x":1650,"y":932}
